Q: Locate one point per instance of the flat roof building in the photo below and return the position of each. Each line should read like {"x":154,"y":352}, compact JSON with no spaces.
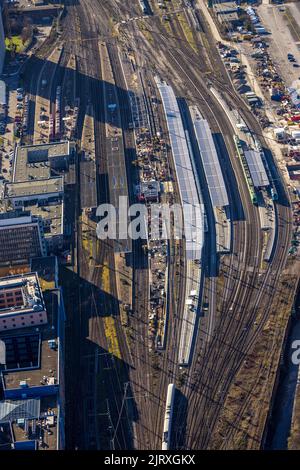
{"x":35,"y":162}
{"x":44,"y":200}
{"x":227,"y":14}
{"x":21,"y":237}
{"x":149,"y":190}
{"x":225,"y":7}
{"x":36,"y":191}
{"x":33,"y":380}
{"x":21,"y":302}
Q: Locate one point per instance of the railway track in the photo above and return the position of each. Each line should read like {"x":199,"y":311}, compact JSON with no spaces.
{"x":79,"y":33}
{"x":215,"y":365}
{"x":248,"y":257}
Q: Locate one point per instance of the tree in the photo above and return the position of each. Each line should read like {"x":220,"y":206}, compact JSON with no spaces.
{"x":26,"y":33}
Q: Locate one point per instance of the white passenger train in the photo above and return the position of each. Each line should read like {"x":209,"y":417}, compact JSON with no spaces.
{"x":168,"y":417}
{"x":143,"y":7}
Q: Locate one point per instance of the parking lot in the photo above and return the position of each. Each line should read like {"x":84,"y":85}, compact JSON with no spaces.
{"x":284,"y":38}
{"x":14,"y":120}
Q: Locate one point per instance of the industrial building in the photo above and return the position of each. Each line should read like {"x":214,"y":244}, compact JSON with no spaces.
{"x":21,"y":237}
{"x":211,"y":165}
{"x":21,"y":302}
{"x":257,"y":169}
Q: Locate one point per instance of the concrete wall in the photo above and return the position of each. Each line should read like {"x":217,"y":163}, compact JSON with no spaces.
{"x":30,"y":392}
{"x":12,"y":322}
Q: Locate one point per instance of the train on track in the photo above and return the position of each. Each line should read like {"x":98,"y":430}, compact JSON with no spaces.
{"x":168,"y":417}
{"x":246,"y":171}
{"x":144,"y":7}
{"x":274,"y":194}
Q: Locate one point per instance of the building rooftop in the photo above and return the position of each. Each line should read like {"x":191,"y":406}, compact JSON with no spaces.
{"x":227,"y":7}
{"x":14,"y":217}
{"x":226,"y":17}
{"x":34,"y":187}
{"x":47,"y":269}
{"x":150,"y":189}
{"x":21,"y":237}
{"x":52,"y":216}
{"x":33,"y":161}
{"x":12,"y":410}
{"x":42,"y":431}
{"x":35,"y":365}
{"x":20,"y":294}
{"x":29,"y":424}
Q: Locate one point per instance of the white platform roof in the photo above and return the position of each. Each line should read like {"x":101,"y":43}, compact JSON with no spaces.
{"x":194,"y":230}
{"x":256,"y":168}
{"x":211,"y":164}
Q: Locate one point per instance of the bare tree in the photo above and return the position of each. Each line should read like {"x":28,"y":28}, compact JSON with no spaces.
{"x":26,"y":33}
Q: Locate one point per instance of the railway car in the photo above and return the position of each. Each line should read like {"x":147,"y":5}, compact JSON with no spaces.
{"x":168,"y":417}
{"x":274,"y":194}
{"x":143,"y":7}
